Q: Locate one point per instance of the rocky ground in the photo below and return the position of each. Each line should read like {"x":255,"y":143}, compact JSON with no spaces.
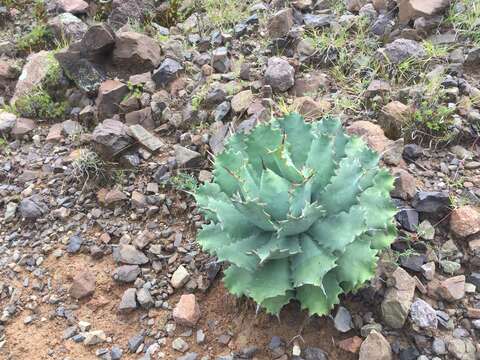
{"x":111,"y":113}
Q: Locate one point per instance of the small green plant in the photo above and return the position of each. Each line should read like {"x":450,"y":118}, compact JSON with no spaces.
{"x":299,"y":211}
{"x":38,"y":38}
{"x":135,"y":90}
{"x":463,"y":17}
{"x":88,"y":165}
{"x":183,"y":181}
{"x":223,"y":13}
{"x":39,"y":104}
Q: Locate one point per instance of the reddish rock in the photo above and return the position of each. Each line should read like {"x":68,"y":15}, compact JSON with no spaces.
{"x":83,"y":285}
{"x":311,"y":109}
{"x":371,"y":133}
{"x":136,"y":53}
{"x":351,"y":344}
{"x":187,"y":311}
{"x":73,"y":6}
{"x":375,"y":347}
{"x":23,"y":127}
{"x":465,"y":221}
{"x":141,"y":117}
{"x":393,"y":117}
{"x":55,"y":133}
{"x":280,"y":23}
{"x":114,"y":196}
{"x":452,"y":289}
{"x":378,"y":87}
{"x":110,"y":95}
{"x":412,"y":9}
{"x":405,"y":185}
{"x":33,"y":73}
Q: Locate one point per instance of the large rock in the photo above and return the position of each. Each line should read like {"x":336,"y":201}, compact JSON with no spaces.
{"x":125,"y":10}
{"x":393,"y":118}
{"x":405,"y":185}
{"x":280,"y":23}
{"x":111,"y":138}
{"x":398,"y":299}
{"x":72,"y":6}
{"x":98,"y":40}
{"x":83,"y":284}
{"x":241,"y":101}
{"x":280,"y":75}
{"x":23,"y":127}
{"x":7,"y":122}
{"x":167,"y":72}
{"x":186,"y":157}
{"x":67,"y":27}
{"x":431,"y":201}
{"x":126,"y":273}
{"x":412,"y":9}
{"x":465,"y":221}
{"x":371,"y":133}
{"x":423,"y":315}
{"x":136,"y":53}
{"x":375,"y":347}
{"x":128,"y":301}
{"x":452,"y":289}
{"x":187,"y":311}
{"x":33,"y":73}
{"x":220,"y":60}
{"x":128,"y":254}
{"x":110,"y":95}
{"x":401,"y":50}
{"x":32,"y":207}
{"x":87,"y":76}
{"x":146,"y":138}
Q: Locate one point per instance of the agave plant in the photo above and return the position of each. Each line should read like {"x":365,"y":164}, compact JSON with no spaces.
{"x":298,"y":211}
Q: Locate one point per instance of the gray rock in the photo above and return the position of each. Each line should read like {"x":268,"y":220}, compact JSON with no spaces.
{"x":431,"y":202}
{"x":317,"y":21}
{"x":126,"y":273}
{"x":128,"y":301}
{"x":280,"y":75}
{"x":343,"y":320}
{"x":189,"y":356}
{"x":128,"y":254}
{"x":186,"y":157}
{"x":67,"y":26}
{"x":98,"y":40}
{"x":180,"y":345}
{"x":167,"y":72}
{"x":222,"y":110}
{"x":111,"y":138}
{"x":312,"y":353}
{"x":473,"y":57}
{"x":144,"y":298}
{"x":423,"y":315}
{"x":32,"y":207}
{"x":116,"y":353}
{"x":401,"y":50}
{"x":7,"y":122}
{"x":180,"y":277}
{"x":220,"y":60}
{"x":134,"y":342}
{"x":383,"y":25}
{"x":375,"y":347}
{"x":146,"y":139}
{"x":439,"y":347}
{"x":94,"y":337}
{"x":86,"y":76}
{"x":74,"y":244}
{"x":125,"y":10}
{"x":408,"y":218}
{"x":280,"y":23}
{"x":398,"y":299}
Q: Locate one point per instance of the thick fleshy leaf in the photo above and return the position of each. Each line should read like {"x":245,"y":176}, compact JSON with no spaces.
{"x":278,"y":248}
{"x":310,"y":266}
{"x":298,"y":137}
{"x":317,"y":300}
{"x":260,"y":147}
{"x":270,"y":280}
{"x":274,"y":194}
{"x":239,"y":252}
{"x":255,"y":213}
{"x":299,"y":197}
{"x":285,"y":165}
{"x":382,"y":239}
{"x":337,"y":231}
{"x":298,"y":225}
{"x":357,"y":264}
{"x":379,"y":209}
{"x":275,"y":304}
{"x":320,"y":160}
